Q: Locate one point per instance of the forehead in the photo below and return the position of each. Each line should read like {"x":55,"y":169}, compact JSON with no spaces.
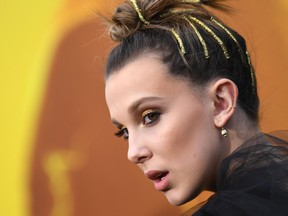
{"x":144,"y":74}
{"x":144,"y":77}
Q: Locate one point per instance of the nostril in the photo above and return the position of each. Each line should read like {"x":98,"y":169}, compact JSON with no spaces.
{"x":139,"y":155}
{"x":138,"y":150}
{"x":142,"y":159}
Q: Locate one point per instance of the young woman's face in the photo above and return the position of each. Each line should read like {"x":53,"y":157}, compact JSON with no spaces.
{"x":170,"y":131}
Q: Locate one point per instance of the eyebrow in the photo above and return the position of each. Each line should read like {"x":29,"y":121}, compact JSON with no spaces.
{"x":138,"y":102}
{"x":135,"y":105}
{"x":117,"y":124}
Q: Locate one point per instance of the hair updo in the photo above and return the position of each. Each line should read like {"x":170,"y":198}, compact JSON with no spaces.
{"x":167,"y":27}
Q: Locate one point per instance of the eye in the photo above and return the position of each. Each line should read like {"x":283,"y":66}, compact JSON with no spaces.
{"x":122,"y":132}
{"x":150,"y":116}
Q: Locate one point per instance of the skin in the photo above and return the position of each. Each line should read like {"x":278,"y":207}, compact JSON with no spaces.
{"x":169,"y":127}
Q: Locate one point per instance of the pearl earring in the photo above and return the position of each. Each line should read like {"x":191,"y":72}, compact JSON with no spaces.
{"x":224,"y":132}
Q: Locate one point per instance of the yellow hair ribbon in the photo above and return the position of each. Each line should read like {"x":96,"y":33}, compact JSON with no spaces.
{"x":138,"y":10}
{"x":200,"y":37}
{"x":231,"y":36}
{"x":179,"y":40}
{"x":219,"y":41}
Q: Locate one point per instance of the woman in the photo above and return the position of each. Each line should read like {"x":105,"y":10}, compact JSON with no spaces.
{"x":180,"y":87}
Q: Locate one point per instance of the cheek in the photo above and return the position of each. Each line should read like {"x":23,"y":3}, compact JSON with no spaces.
{"x":187,"y":135}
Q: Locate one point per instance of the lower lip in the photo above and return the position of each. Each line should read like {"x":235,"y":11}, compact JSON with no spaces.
{"x":162,"y":185}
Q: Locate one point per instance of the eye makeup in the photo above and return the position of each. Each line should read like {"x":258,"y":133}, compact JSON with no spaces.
{"x":142,"y":113}
{"x":150,"y":116}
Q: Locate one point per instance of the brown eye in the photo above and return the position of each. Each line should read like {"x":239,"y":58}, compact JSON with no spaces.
{"x":150,"y":116}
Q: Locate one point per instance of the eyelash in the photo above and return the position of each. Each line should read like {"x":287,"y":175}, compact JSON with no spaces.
{"x":122,"y":132}
{"x":150,"y":113}
{"x":147,"y":113}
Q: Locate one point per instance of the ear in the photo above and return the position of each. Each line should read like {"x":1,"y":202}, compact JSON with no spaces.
{"x":224,"y":93}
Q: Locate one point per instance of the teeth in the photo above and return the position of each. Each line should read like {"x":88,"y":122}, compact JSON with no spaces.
{"x":163,"y":176}
{"x":157,"y":177}
{"x":160,"y":176}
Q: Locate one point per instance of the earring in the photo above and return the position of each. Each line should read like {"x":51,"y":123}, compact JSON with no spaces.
{"x":224,"y":132}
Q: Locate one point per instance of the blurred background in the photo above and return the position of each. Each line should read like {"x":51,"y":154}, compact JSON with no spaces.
{"x":58,"y":155}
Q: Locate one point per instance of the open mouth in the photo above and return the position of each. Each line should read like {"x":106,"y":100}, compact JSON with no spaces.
{"x":159,"y":178}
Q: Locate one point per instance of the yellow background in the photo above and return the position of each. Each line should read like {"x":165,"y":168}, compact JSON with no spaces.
{"x":29,"y":33}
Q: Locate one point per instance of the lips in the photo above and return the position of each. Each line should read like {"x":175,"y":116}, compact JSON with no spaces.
{"x":159,"y":178}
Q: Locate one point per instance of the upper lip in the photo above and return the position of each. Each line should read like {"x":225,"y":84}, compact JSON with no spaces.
{"x":155,"y":174}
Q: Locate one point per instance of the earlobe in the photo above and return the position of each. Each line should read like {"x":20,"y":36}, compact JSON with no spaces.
{"x":224,"y":93}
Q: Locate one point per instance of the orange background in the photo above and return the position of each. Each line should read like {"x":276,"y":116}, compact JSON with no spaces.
{"x":58,"y":155}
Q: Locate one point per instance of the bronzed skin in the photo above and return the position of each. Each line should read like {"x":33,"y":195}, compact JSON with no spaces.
{"x":171,"y":128}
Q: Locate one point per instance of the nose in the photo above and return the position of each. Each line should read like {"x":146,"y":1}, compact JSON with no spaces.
{"x":138,"y":152}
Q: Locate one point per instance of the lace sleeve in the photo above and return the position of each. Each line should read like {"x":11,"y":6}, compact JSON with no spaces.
{"x":253,"y":180}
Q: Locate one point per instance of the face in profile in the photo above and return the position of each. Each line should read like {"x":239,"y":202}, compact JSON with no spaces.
{"x":169,"y":129}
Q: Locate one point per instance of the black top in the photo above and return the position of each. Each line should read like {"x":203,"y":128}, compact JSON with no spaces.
{"x":253,"y":180}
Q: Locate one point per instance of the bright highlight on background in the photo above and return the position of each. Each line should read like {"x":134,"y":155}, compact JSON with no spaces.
{"x":29,"y":34}
{"x":27,"y":39}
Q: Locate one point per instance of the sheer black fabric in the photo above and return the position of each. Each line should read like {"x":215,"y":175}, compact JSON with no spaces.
{"x":253,"y":180}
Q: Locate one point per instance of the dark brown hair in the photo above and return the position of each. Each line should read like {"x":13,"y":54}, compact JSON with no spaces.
{"x":137,"y":38}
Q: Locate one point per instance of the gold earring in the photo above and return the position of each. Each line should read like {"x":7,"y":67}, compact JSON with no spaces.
{"x":224,"y":132}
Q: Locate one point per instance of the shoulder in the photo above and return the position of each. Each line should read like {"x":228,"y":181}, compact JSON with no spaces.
{"x":253,"y":180}
{"x":263,"y":154}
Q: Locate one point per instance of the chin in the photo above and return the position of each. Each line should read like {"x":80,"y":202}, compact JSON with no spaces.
{"x":176,"y":202}
{"x":176,"y":199}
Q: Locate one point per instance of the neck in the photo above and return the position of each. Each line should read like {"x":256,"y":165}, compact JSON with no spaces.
{"x":240,"y":129}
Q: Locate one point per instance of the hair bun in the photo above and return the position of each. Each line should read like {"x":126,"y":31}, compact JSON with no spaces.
{"x":124,"y":22}
{"x":126,"y":19}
